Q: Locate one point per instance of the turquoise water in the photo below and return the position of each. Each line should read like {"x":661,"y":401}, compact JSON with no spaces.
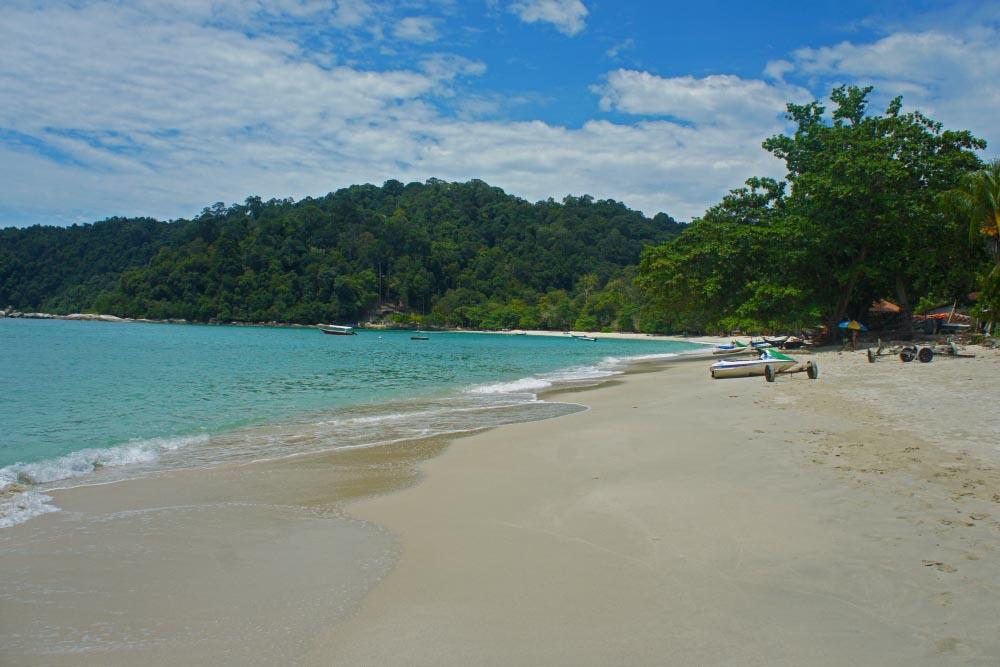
{"x":91,"y":402}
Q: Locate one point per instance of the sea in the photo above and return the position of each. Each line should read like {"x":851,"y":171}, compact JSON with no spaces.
{"x":91,"y":402}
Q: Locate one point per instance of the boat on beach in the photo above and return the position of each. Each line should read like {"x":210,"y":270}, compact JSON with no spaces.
{"x":735,"y":347}
{"x":751,"y":367}
{"x":337,"y":330}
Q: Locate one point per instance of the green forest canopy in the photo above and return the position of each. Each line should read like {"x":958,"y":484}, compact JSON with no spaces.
{"x":873,"y":207}
{"x":459,"y":254}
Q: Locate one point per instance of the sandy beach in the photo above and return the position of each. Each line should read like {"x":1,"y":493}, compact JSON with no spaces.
{"x":852,"y":519}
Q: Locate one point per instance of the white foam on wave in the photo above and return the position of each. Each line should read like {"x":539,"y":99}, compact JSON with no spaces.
{"x":522,"y":386}
{"x":19,"y":506}
{"x":648,"y":357}
{"x":19,"y":501}
{"x":605,"y":368}
{"x":575,"y":375}
{"x":87,"y":461}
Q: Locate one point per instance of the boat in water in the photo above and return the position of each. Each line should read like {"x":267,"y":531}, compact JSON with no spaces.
{"x":337,"y":330}
{"x":742,"y":368}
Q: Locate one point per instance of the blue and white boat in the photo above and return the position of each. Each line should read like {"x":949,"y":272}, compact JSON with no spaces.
{"x":749,"y":367}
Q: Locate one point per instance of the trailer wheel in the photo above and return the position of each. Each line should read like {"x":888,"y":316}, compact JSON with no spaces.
{"x":871,"y":356}
{"x":925,"y":355}
{"x":812,"y":370}
{"x":907,"y":354}
{"x":769,"y":373}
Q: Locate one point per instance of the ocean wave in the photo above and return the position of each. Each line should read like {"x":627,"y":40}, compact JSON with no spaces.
{"x":87,"y":461}
{"x":17,"y":505}
{"x":574,"y":375}
{"x":523,"y":386}
{"x":19,"y":501}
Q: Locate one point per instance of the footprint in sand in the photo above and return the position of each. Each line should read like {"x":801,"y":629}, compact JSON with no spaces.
{"x":947,"y":644}
{"x":943,"y":567}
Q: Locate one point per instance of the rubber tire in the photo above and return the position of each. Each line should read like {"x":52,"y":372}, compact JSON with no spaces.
{"x":769,"y":373}
{"x":907,"y":354}
{"x":871,"y":356}
{"x":812,"y":370}
{"x":925,"y":355}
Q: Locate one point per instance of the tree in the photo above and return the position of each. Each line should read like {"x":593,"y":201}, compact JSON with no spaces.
{"x":861,"y":222}
{"x":727,"y":269}
{"x":864,"y":191}
{"x":976,"y":203}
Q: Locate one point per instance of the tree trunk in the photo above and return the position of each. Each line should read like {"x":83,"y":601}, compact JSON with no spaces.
{"x":841,"y":309}
{"x":905,"y":310}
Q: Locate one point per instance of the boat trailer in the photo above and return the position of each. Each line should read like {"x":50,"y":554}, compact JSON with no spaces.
{"x":908,"y":353}
{"x":810,"y":368}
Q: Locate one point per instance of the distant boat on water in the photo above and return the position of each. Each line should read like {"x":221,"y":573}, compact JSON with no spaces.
{"x":337,"y":330}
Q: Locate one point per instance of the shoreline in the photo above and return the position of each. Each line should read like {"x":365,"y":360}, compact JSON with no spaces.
{"x":93,"y":317}
{"x":27,"y":485}
{"x":679,"y":520}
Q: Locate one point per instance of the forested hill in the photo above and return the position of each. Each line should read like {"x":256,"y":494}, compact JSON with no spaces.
{"x":439,"y":253}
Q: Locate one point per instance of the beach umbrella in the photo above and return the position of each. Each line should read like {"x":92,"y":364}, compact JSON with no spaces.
{"x":854,"y":325}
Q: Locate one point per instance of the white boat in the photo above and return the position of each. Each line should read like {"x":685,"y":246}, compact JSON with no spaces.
{"x":750,"y":367}
{"x":337,"y":330}
{"x":735,"y":348}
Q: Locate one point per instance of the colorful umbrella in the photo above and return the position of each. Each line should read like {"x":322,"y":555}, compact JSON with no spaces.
{"x":853,"y":324}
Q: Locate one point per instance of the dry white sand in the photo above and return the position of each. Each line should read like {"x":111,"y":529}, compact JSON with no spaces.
{"x":684,"y":521}
{"x":679,"y":521}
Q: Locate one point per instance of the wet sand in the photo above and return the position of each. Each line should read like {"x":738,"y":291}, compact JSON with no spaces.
{"x":854,"y":519}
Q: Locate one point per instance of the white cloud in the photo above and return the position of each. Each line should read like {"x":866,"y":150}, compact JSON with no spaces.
{"x":616,"y":50}
{"x":712,"y":100}
{"x":418,"y":29}
{"x":952,"y":77}
{"x":568,"y":16}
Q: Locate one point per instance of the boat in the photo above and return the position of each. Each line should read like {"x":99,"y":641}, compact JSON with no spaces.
{"x":786,"y":343}
{"x":751,"y":367}
{"x":337,"y":330}
{"x":419,"y":338}
{"x":735,"y":346}
{"x":590,"y":338}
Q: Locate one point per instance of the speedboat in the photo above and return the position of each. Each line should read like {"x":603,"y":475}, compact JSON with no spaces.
{"x":337,"y":330}
{"x":750,"y":367}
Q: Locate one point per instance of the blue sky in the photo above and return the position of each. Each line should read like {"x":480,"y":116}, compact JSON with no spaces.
{"x":163,"y":107}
